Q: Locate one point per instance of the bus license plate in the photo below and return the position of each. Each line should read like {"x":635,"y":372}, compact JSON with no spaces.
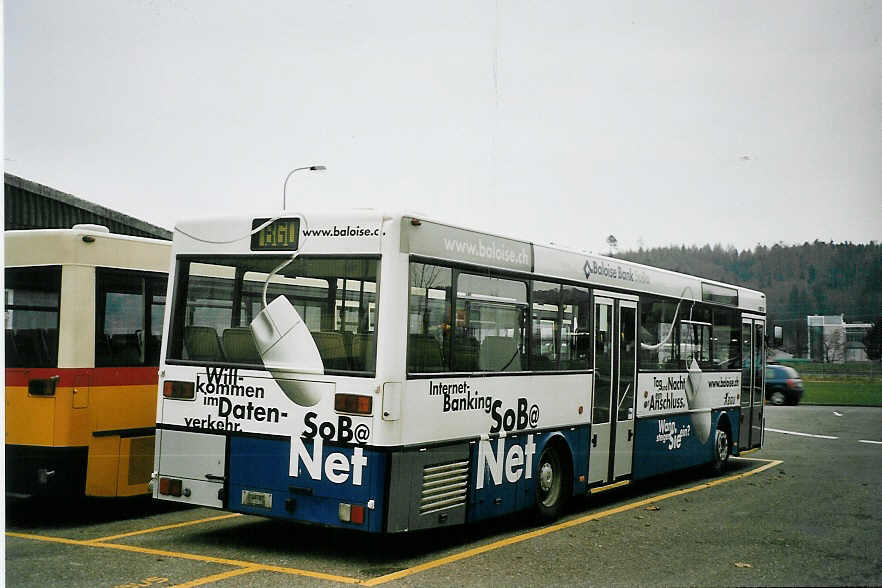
{"x":258,"y":499}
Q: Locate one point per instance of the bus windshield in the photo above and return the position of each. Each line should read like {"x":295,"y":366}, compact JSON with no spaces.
{"x":216,"y":298}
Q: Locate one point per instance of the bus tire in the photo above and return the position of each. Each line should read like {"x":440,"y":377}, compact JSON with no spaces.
{"x":720,"y":451}
{"x":553,"y":485}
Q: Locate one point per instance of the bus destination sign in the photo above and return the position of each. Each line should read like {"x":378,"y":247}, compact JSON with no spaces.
{"x":279,"y":235}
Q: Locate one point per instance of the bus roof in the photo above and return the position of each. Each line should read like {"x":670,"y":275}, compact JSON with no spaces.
{"x":361,"y":231}
{"x":444,"y":241}
{"x":84,"y":246}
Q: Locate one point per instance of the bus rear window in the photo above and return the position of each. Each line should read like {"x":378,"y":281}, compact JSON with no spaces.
{"x":32,"y":299}
{"x":216,"y":298}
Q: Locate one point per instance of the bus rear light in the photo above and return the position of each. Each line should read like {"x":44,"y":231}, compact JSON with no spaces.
{"x":351,"y":513}
{"x":170,"y":486}
{"x":43,"y":386}
{"x":178,"y":390}
{"x":354,"y":403}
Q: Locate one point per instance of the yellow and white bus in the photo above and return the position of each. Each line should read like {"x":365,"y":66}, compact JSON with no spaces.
{"x":83,"y":317}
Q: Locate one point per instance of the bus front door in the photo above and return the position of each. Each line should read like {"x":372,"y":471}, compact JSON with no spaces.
{"x":752,"y":383}
{"x":610,"y":453}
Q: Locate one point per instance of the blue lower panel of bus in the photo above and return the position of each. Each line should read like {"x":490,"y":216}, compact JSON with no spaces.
{"x":326,"y":476}
{"x":498,"y":476}
{"x":675,"y":442}
{"x":505,"y":470}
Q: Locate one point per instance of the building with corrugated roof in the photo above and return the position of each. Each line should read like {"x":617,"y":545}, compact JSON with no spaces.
{"x":29,"y":205}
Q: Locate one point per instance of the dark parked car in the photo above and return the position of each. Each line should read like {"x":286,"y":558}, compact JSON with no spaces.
{"x":783,"y":385}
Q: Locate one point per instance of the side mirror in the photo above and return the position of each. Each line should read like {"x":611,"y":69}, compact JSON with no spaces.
{"x":779,"y":336}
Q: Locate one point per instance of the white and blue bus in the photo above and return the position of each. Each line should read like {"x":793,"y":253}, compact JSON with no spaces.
{"x":391,"y":373}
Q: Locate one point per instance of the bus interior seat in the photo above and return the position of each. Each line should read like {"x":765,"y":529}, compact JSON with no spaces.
{"x":542,"y":363}
{"x":13,"y":359}
{"x":239,"y":345}
{"x":152,"y":352}
{"x":125,"y":348}
{"x":499,"y":354}
{"x":32,"y":347}
{"x":103,"y":355}
{"x":364,"y":351}
{"x":465,"y":353}
{"x":50,"y":338}
{"x":424,"y":354}
{"x":332,"y":348}
{"x":202,"y":343}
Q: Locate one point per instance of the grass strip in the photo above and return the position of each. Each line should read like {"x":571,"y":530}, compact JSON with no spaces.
{"x":843,"y":393}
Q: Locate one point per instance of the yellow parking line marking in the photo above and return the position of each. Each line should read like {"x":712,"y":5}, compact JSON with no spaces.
{"x":136,"y":549}
{"x":560,"y":526}
{"x":229,"y":562}
{"x":191,"y":556}
{"x":164,"y":528}
{"x":217,"y":577}
{"x":45,"y":538}
{"x":244,"y":567}
{"x":309,"y":574}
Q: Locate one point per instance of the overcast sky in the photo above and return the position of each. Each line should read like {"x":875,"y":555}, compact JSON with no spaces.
{"x":658,"y":122}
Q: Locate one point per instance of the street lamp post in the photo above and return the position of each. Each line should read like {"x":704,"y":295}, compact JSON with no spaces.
{"x":291,"y":173}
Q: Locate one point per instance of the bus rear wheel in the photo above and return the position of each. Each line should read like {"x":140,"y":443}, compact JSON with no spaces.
{"x":721,"y":451}
{"x":552,"y":483}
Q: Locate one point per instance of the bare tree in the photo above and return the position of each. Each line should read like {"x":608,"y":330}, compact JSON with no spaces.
{"x":833,"y":347}
{"x":613,"y":244}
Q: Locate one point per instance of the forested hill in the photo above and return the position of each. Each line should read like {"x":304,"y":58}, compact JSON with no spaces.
{"x":798,"y":280}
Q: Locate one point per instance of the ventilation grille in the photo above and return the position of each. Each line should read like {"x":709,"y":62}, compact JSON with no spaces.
{"x":444,"y":486}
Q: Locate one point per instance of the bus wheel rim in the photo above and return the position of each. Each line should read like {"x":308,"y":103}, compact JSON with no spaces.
{"x":549,"y":479}
{"x":722,"y":446}
{"x":546,"y":477}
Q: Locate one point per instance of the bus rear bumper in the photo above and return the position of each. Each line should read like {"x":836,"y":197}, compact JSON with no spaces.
{"x":46,"y":471}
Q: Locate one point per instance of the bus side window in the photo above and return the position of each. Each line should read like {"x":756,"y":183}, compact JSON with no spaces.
{"x":128,"y":332}
{"x":695,"y":335}
{"x":575,"y":340}
{"x":546,"y":344}
{"x":659,"y":346}
{"x":493,"y":312}
{"x":32,"y":298}
{"x":428,"y":318}
{"x":156,"y":288}
{"x":726,"y":338}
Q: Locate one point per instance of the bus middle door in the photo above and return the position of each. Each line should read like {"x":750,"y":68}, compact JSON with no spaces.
{"x":611,"y":447}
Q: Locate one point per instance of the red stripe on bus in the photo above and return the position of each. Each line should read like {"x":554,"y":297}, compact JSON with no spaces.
{"x":69,"y":377}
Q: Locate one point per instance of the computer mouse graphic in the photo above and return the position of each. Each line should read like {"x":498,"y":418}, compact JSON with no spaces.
{"x":698,"y":403}
{"x":287,"y":350}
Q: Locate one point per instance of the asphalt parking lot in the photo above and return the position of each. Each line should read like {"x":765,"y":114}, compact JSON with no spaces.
{"x":803,"y":510}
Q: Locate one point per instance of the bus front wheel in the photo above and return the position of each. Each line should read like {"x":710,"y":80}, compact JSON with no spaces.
{"x":552,"y":483}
